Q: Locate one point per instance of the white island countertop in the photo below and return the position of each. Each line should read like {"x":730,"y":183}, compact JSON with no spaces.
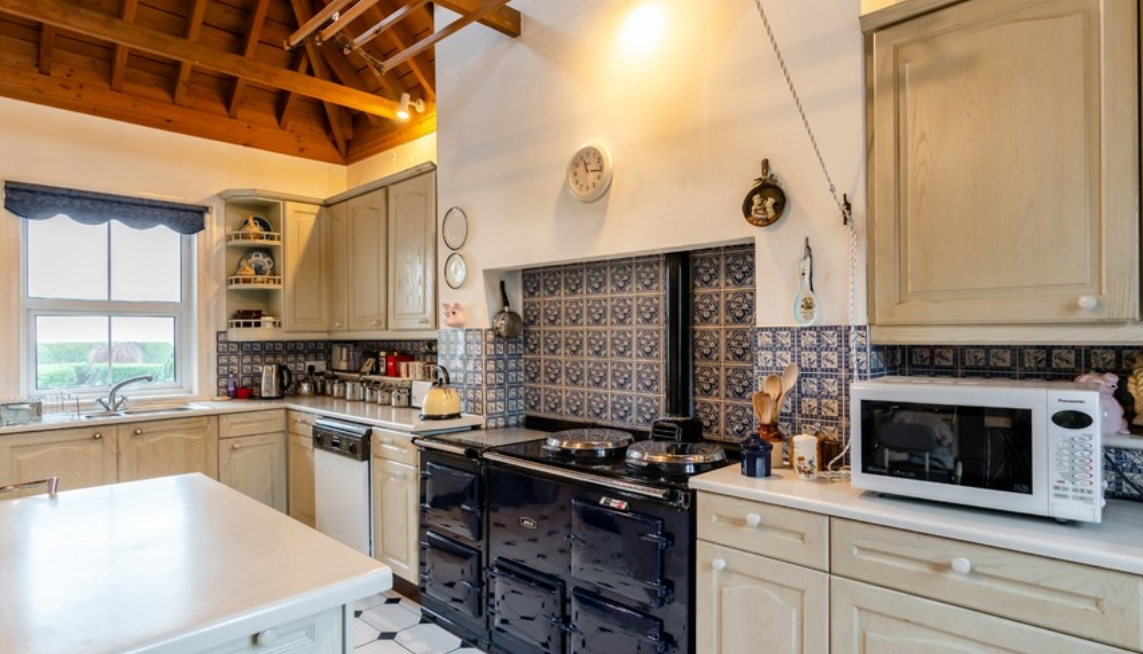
{"x":1116,"y":543}
{"x":174,"y":565}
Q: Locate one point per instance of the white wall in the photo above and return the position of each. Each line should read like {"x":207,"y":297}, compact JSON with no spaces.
{"x":688,"y":116}
{"x":48,"y":146}
{"x":402,"y":157}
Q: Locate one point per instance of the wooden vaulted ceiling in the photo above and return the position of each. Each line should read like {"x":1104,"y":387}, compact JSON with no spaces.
{"x":221,"y":69}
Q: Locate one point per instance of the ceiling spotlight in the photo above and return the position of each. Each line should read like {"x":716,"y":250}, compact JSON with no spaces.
{"x":406,"y":103}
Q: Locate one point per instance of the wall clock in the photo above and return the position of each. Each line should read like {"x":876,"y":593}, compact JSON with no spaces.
{"x":590,"y":171}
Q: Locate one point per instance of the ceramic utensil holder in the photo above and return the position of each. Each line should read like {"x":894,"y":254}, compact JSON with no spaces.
{"x":772,"y":435}
{"x":805,"y":456}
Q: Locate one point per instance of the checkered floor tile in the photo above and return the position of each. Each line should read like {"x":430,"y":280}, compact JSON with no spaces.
{"x":391,"y":624}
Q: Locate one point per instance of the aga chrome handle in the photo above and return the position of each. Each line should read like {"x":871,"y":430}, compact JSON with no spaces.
{"x":961,"y":565}
{"x":718,"y":564}
{"x":1088,"y":302}
{"x":753,"y":520}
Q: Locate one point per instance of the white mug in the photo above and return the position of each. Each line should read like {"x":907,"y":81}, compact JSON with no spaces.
{"x":805,"y":457}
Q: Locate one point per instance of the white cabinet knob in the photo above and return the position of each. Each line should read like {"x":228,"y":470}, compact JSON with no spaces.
{"x":267,"y":638}
{"x":1088,"y":302}
{"x":98,"y":436}
{"x":718,"y":564}
{"x":138,"y":432}
{"x":387,"y":440}
{"x":376,"y":323}
{"x":753,"y":520}
{"x":961,"y":565}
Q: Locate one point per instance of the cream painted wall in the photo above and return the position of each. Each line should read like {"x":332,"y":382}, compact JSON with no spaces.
{"x":402,"y":157}
{"x":49,"y":146}
{"x":688,"y":111}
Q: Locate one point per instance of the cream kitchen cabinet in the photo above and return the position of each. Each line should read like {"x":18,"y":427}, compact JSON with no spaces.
{"x":1004,"y":167}
{"x":168,"y":447}
{"x":412,"y":253}
{"x":79,"y":457}
{"x":252,"y":455}
{"x":396,"y":497}
{"x":305,"y":297}
{"x":358,"y":233}
{"x":300,"y":471}
{"x":337,"y":229}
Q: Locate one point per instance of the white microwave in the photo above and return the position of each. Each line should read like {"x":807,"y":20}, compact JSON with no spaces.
{"x":1027,"y":447}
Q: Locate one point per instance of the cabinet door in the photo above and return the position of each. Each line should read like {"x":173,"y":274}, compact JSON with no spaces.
{"x":1004,"y":173}
{"x":368,"y":251}
{"x":301,"y":478}
{"x":337,"y":226}
{"x":750,"y":603}
{"x":395,"y":516}
{"x":872,"y":620}
{"x":168,"y":447}
{"x":305,"y":302}
{"x":79,"y":457}
{"x":412,"y":253}
{"x":255,"y":466}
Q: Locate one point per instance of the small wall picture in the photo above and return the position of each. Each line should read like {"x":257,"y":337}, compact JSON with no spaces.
{"x":766,"y":201}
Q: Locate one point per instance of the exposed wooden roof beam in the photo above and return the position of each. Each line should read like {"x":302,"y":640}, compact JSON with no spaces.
{"x":340,"y":127}
{"x":344,"y":19}
{"x":386,"y":23}
{"x":287,"y":112}
{"x":505,"y":20}
{"x":67,"y":16}
{"x":487,"y":7}
{"x":47,"y":43}
{"x":119,"y":60}
{"x":257,"y":19}
{"x":311,"y":25}
{"x":194,"y":26}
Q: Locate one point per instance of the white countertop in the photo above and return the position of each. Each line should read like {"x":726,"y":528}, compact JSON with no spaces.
{"x":174,"y":565}
{"x":1116,"y":543}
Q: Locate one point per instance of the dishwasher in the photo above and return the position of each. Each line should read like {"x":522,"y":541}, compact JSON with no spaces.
{"x":342,"y":491}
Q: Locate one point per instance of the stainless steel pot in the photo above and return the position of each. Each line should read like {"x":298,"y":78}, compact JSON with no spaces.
{"x":401,"y":396}
{"x":305,"y":388}
{"x":371,"y":391}
{"x":336,"y":388}
{"x":354,"y":390}
{"x":384,"y":394}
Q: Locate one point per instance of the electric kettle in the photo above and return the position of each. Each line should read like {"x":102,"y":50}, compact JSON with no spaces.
{"x":275,"y":379}
{"x":442,"y":402}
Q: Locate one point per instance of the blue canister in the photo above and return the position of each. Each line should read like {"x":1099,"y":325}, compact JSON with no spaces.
{"x":756,"y":457}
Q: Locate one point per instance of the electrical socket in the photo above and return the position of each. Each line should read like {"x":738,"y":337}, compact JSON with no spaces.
{"x":318,"y":366}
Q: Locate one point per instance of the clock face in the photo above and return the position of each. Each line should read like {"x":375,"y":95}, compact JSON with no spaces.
{"x":589,"y":172}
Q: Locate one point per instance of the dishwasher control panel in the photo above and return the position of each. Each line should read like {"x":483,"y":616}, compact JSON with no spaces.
{"x":344,"y":438}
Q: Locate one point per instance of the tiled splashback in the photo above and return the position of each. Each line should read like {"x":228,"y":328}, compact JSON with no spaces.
{"x":487,"y":372}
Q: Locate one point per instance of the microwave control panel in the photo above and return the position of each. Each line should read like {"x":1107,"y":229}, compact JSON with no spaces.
{"x":1075,"y":467}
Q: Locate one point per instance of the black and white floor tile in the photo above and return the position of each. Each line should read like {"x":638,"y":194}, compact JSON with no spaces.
{"x":388,"y":623}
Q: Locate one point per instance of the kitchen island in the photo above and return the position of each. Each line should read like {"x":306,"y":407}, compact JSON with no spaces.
{"x":175,"y":565}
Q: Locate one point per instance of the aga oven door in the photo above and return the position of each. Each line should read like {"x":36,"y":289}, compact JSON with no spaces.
{"x":600,"y":626}
{"x":525,"y":609}
{"x":619,"y":550}
{"x":451,"y":575}
{"x":450,"y":500}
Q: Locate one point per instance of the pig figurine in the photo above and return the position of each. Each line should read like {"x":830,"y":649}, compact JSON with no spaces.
{"x":1113,"y":422}
{"x":454,"y":314}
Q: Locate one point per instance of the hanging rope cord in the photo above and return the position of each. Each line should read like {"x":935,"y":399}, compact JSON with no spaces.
{"x":843,"y":206}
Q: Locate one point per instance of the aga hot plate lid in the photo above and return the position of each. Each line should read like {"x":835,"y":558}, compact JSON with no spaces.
{"x":587,"y":442}
{"x":669,"y":454}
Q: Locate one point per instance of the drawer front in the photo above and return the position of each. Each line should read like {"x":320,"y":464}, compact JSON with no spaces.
{"x":315,"y":634}
{"x":251,"y":423}
{"x":1090,"y":602}
{"x":394,"y":446}
{"x":301,"y":423}
{"x":774,"y":531}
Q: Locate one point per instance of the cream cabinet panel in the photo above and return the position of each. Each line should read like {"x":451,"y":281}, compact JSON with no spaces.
{"x":394,"y":446}
{"x":305,"y":302}
{"x":777,"y":532}
{"x":255,"y":466}
{"x":249,"y":423}
{"x":750,"y":603}
{"x":412,"y":253}
{"x":336,"y":225}
{"x":1090,"y":602}
{"x":367,"y":249}
{"x":79,"y":457}
{"x":301,"y":478}
{"x":323,"y":633}
{"x":1004,"y":168}
{"x":395,"y":516}
{"x":168,"y":447}
{"x":871,"y":620}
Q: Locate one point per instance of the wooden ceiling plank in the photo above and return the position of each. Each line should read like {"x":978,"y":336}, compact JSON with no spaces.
{"x":291,"y":101}
{"x":253,"y":35}
{"x":487,"y":7}
{"x":194,"y":26}
{"x":505,"y":20}
{"x":47,"y":42}
{"x":311,"y":25}
{"x":119,"y":61}
{"x":67,"y":16}
{"x":345,"y":19}
{"x":341,"y":127}
{"x":388,"y":22}
{"x":424,"y":78}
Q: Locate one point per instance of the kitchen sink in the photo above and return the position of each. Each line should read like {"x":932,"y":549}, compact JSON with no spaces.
{"x":141,"y":411}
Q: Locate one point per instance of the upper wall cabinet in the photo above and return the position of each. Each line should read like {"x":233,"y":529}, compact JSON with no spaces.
{"x":367,"y":229}
{"x":305,"y":305}
{"x":412,"y":253}
{"x":1004,"y":165}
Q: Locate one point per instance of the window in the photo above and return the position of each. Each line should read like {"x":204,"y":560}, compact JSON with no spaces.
{"x":104,"y":303}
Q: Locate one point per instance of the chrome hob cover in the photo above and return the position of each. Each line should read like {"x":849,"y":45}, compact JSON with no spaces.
{"x":675,"y":457}
{"x":587,"y":443}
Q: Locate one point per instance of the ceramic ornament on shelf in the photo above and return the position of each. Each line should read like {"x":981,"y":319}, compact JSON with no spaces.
{"x":454,"y":315}
{"x":806,"y":309}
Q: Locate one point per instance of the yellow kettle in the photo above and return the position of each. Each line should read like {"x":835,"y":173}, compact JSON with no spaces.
{"x":441,"y":402}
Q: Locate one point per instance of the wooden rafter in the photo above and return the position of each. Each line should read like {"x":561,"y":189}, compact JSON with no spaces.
{"x":253,"y":35}
{"x":505,"y":20}
{"x":311,"y":25}
{"x":487,"y":7}
{"x":194,"y":26}
{"x":101,"y":26}
{"x":340,"y":127}
{"x":291,"y":101}
{"x":119,"y":59}
{"x":400,"y":42}
{"x":348,"y":17}
{"x":47,"y":43}
{"x":387,"y":23}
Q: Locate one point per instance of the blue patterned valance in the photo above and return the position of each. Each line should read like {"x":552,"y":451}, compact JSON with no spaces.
{"x":36,"y":202}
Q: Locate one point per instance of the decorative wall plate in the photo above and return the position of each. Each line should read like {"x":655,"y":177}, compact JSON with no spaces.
{"x":766,"y":201}
{"x":454,"y":228}
{"x":456,"y":270}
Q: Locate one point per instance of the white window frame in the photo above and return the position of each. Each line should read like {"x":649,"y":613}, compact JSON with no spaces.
{"x":183,"y":313}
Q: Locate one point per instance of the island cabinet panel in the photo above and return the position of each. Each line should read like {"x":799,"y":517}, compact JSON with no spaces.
{"x":300,"y":473}
{"x":255,"y":466}
{"x":871,"y":620}
{"x":316,"y":634}
{"x":412,"y":253}
{"x":168,"y":447}
{"x":79,"y":457}
{"x":751,"y":603}
{"x":1004,"y":173}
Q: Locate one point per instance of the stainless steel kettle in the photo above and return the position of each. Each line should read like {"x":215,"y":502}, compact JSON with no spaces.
{"x":275,"y":379}
{"x":442,"y":402}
